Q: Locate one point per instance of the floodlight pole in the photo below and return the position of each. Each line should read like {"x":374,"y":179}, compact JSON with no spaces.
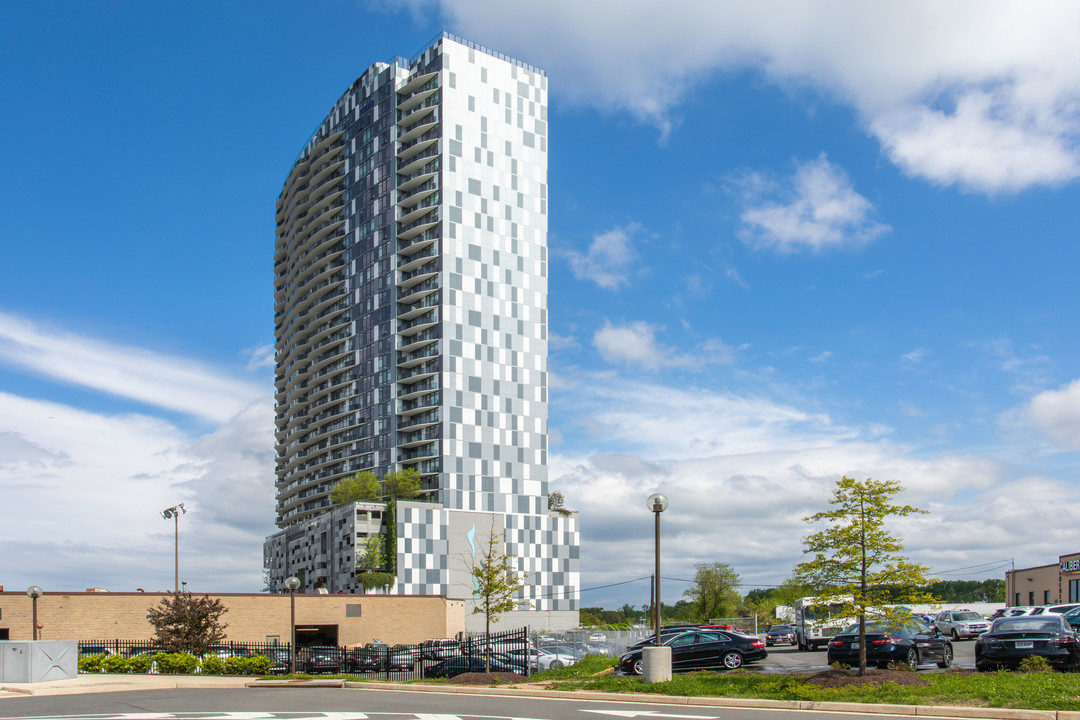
{"x":34,"y":592}
{"x":175,"y":512}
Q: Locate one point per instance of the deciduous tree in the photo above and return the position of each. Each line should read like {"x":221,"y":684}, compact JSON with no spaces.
{"x":187,"y":623}
{"x":714,"y":592}
{"x":361,"y":487}
{"x":858,"y":559}
{"x":496,"y":584}
{"x":401,"y":484}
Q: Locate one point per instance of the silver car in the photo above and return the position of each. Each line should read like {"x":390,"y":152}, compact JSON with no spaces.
{"x":961,"y":623}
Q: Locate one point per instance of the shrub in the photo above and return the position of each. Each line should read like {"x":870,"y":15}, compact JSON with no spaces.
{"x":176,"y":663}
{"x":212,"y":665}
{"x":260,"y":664}
{"x":91,"y":663}
{"x":140,"y":663}
{"x":237,"y":666}
{"x":115,"y":664}
{"x":1035,"y":664}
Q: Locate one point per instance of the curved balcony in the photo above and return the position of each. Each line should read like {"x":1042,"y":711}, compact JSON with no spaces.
{"x":416,"y":83}
{"x":416,"y":293}
{"x":422,"y":452}
{"x":419,"y":356}
{"x":419,"y":305}
{"x":429,"y":205}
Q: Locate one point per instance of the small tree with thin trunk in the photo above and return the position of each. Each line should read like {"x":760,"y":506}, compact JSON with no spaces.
{"x":187,"y":623}
{"x":496,"y":585}
{"x":858,"y":559}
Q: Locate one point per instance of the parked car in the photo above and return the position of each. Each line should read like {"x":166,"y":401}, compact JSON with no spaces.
{"x":373,"y":657}
{"x":541,"y":659}
{"x":138,"y":651}
{"x":440,"y":649}
{"x":560,"y":649}
{"x":1013,"y":611}
{"x":1073,"y":618}
{"x":279,"y":661}
{"x":463,"y":664}
{"x":88,"y":650}
{"x":780,"y":634}
{"x":403,"y":657}
{"x":319,"y":659}
{"x":910,"y":641}
{"x":1055,"y":609}
{"x":665,"y":635}
{"x":1011,"y":639}
{"x":702,"y":650}
{"x":961,"y":623}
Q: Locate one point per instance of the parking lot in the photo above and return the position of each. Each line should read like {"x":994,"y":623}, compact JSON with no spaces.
{"x":788,"y":658}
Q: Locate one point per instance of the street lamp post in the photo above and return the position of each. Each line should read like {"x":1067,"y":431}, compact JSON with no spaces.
{"x":291,"y":584}
{"x":657,"y":659}
{"x":175,"y":512}
{"x":34,"y":592}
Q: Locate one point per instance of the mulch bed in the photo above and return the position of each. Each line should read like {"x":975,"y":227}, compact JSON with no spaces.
{"x":478,"y":678}
{"x":843,"y":678}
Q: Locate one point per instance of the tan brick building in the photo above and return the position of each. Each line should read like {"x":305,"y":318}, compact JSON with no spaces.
{"x":256,"y":617}
{"x":1045,"y":584}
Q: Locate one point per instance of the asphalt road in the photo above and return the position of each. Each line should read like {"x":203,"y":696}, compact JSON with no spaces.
{"x":357,"y":704}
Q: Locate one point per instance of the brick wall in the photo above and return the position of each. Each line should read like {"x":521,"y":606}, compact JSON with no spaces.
{"x":250,"y":617}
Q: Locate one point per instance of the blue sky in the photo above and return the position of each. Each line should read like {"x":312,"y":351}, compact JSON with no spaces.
{"x":789,"y":242}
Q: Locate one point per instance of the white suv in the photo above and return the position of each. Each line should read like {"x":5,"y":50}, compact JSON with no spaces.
{"x":961,"y":623}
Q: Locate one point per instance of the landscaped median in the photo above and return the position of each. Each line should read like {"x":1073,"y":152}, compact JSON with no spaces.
{"x":962,"y":689}
{"x":964,"y":693}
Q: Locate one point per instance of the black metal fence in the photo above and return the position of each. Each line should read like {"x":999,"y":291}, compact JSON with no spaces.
{"x":509,"y":651}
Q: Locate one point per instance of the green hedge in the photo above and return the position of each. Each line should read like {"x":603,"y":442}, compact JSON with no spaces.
{"x":176,"y":664}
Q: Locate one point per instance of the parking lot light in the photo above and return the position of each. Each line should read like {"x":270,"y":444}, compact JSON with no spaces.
{"x":35,"y":592}
{"x":291,"y":584}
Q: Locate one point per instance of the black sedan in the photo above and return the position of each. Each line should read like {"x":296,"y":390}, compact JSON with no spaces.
{"x":702,"y":650}
{"x":1011,"y":639}
{"x":319,"y":659}
{"x":458,"y":665}
{"x":780,"y":634}
{"x":912,"y":641}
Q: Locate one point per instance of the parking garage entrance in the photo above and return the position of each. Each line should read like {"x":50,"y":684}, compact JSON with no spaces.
{"x":323,"y":635}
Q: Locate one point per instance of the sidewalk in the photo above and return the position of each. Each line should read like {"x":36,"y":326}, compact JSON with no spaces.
{"x":106,"y":682}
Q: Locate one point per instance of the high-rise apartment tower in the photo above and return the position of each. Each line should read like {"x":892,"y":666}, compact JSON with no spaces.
{"x":411,"y":331}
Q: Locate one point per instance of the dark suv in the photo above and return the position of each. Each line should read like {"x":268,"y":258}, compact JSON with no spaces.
{"x":780,"y":634}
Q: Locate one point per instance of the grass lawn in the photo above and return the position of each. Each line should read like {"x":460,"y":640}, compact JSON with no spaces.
{"x":1030,"y":691}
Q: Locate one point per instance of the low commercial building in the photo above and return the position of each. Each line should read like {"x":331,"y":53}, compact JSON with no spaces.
{"x":1045,"y":584}
{"x":321,"y":619}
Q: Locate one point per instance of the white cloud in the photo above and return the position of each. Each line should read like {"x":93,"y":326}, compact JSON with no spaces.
{"x":1057,"y":413}
{"x":742,"y":473}
{"x":634,"y":344}
{"x":165,"y":382}
{"x":818,"y":210}
{"x":916,"y":356}
{"x":608,"y":260}
{"x":83,"y":490}
{"x":83,"y":493}
{"x":984,"y":94}
{"x":259,"y":357}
